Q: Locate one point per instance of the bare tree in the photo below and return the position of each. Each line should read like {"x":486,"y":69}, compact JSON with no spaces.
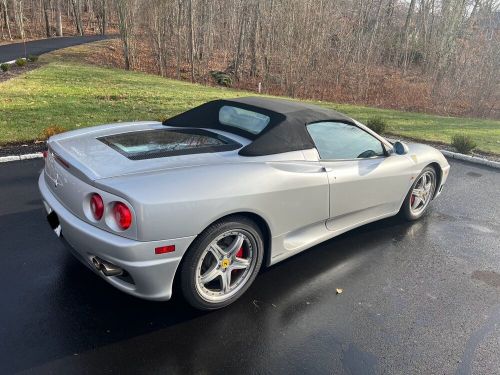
{"x":178,"y":37}
{"x":76,"y":7}
{"x":191,"y":37}
{"x":101,"y":13}
{"x":59,"y":28}
{"x":46,"y":15}
{"x":126,"y":21}
{"x":5,"y":14}
{"x":19,"y":17}
{"x":432,"y":55}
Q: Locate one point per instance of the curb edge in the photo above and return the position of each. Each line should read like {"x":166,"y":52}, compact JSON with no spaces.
{"x":5,"y":159}
{"x":471,"y":159}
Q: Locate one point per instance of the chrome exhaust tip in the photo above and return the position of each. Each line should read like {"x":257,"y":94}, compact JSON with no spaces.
{"x":107,"y":269}
{"x":110,"y":269}
{"x":96,"y":263}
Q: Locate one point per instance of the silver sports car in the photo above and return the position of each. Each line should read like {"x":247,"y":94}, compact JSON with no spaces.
{"x":209,"y":196}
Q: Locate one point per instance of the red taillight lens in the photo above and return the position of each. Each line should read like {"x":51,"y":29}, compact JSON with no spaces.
{"x":96,"y":206}
{"x":45,"y":154}
{"x":123,"y":216}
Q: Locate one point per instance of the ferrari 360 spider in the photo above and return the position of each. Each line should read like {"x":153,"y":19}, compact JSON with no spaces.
{"x":211,"y":195}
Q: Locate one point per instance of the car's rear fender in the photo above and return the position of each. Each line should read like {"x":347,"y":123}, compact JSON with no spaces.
{"x":185,"y":201}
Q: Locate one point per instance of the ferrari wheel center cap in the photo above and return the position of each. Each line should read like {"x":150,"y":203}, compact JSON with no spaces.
{"x":225,"y":263}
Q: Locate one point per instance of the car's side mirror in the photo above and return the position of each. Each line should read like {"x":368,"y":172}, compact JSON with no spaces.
{"x":400,"y":148}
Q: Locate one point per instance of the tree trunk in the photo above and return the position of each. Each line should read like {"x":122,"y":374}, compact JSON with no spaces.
{"x":104,"y":21}
{"x":237,"y":60}
{"x":46,"y":5}
{"x":18,"y":16}
{"x":78,"y":17}
{"x":191,"y":37}
{"x":179,"y":15}
{"x":405,"y":35}
{"x":6,"y":18}
{"x":253,"y":41}
{"x":126,"y":18}
{"x":268,"y":42}
{"x":59,"y":29}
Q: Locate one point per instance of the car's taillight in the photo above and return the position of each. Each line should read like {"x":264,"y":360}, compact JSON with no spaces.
{"x":96,"y":206}
{"x":123,"y":216}
{"x":45,"y":154}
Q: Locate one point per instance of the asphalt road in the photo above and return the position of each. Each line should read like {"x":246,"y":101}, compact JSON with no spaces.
{"x":419,"y":297}
{"x":14,"y":51}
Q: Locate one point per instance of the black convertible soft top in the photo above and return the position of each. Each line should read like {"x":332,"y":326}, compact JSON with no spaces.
{"x":286,"y":130}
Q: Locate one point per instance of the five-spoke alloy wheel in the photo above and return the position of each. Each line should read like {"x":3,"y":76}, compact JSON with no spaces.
{"x":420,"y":194}
{"x":222,"y":263}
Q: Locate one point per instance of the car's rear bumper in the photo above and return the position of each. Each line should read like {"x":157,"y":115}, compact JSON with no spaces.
{"x":147,"y":275}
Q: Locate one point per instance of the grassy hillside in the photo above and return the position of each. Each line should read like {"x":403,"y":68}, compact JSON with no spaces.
{"x":72,"y":95}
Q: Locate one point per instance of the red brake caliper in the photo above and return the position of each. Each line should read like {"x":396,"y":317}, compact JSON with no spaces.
{"x":412,"y":199}
{"x":239,"y":254}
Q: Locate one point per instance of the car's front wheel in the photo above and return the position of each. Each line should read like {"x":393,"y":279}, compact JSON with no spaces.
{"x":222,"y":263}
{"x":420,"y":194}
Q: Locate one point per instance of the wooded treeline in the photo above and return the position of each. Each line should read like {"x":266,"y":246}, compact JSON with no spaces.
{"x":28,"y":19}
{"x":441,"y":56}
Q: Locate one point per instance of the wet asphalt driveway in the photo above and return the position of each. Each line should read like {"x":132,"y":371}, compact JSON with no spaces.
{"x":419,"y":297}
{"x":13,"y":51}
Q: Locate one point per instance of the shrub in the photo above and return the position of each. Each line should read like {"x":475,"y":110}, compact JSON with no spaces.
{"x":32,"y":58}
{"x":52,"y":130}
{"x":20,"y":62}
{"x":377,"y":124}
{"x":463,"y":143}
{"x":221,"y":78}
{"x":5,"y":67}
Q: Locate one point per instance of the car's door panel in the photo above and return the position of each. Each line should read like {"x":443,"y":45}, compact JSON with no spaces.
{"x":364,"y":189}
{"x":366,"y":181}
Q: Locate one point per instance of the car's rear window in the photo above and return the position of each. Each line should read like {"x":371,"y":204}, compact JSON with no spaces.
{"x":164,"y":142}
{"x":244,"y":119}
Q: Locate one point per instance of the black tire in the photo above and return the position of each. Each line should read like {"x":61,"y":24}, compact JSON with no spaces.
{"x":406,"y":211}
{"x":188,"y":272}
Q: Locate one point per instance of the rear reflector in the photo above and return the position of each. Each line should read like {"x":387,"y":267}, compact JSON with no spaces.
{"x":165,"y":249}
{"x":45,"y":154}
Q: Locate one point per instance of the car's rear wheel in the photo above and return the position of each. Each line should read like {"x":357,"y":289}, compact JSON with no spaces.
{"x":420,"y":194}
{"x":222,"y":263}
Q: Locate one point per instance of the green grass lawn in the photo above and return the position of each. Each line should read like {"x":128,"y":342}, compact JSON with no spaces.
{"x":72,"y":95}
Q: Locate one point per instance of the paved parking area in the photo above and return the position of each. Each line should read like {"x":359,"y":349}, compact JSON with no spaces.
{"x":419,"y":297}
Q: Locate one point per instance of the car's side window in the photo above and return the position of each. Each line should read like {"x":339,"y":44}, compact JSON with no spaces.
{"x":340,"y":141}
{"x":249,"y":121}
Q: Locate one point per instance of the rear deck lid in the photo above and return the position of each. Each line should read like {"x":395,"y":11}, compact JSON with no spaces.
{"x":160,"y":143}
{"x":114,"y":151}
